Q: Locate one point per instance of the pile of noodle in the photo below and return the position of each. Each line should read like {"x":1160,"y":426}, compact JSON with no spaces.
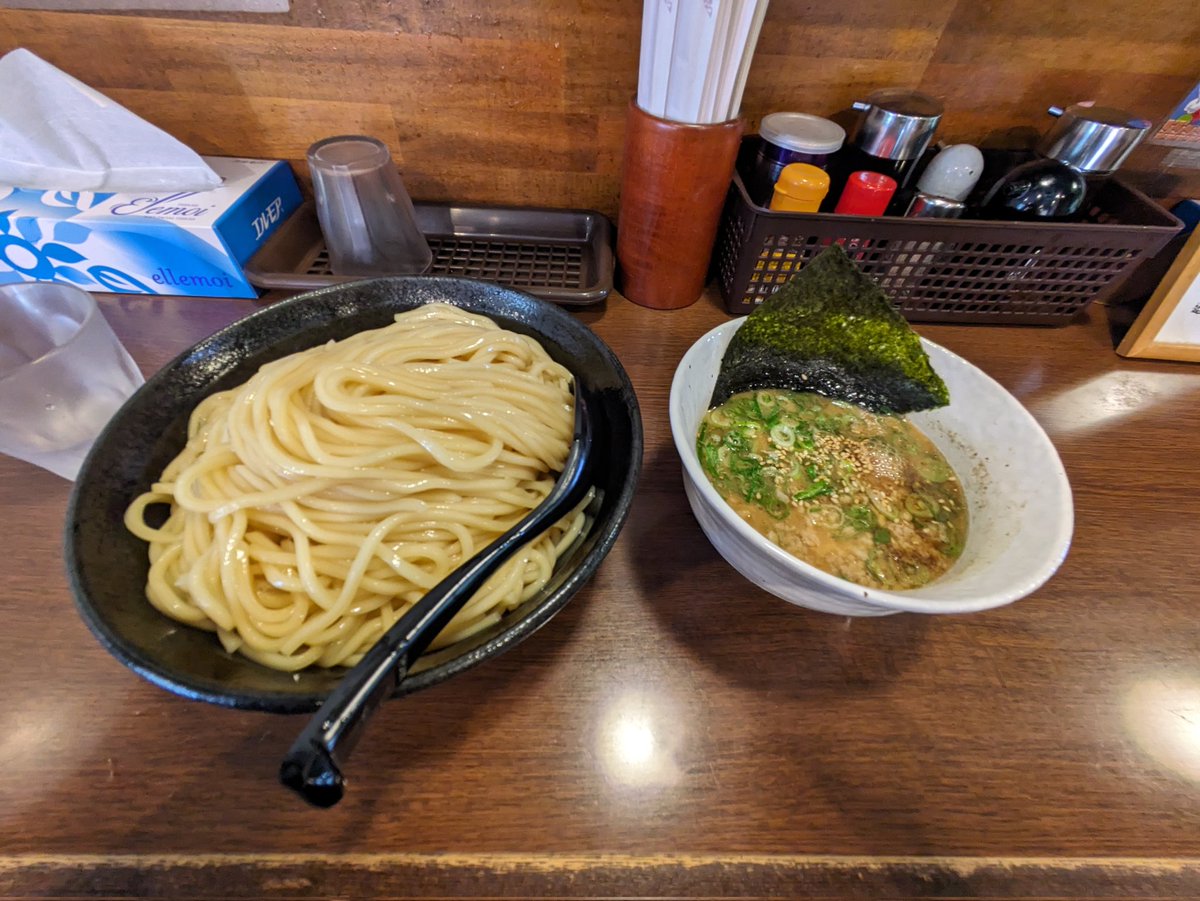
{"x":315,"y":503}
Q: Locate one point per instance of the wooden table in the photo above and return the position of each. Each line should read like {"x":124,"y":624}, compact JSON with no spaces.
{"x":674,"y":730}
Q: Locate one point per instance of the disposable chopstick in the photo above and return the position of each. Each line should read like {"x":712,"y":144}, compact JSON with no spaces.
{"x":739,"y":88}
{"x":646,"y":60}
{"x":665,"y":16}
{"x":712,"y":106}
{"x":695,"y":57}
{"x":741,"y":20}
{"x":695,"y":32}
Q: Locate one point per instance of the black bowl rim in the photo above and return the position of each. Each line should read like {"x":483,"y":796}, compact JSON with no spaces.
{"x":276,"y":702}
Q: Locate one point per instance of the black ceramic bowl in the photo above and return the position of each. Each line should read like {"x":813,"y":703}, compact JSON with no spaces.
{"x":107,"y":566}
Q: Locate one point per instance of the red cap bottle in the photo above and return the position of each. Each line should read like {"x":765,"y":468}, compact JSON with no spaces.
{"x":866,"y":194}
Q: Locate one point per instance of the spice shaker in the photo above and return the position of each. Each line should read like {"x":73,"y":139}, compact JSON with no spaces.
{"x":866,"y":194}
{"x":1079,"y":153}
{"x":946,"y":182}
{"x":894,"y":129}
{"x":800,"y":188}
{"x":786,"y":138}
{"x":1094,"y":140}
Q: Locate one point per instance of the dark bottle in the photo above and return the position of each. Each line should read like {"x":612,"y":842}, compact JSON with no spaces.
{"x":1036,"y":191}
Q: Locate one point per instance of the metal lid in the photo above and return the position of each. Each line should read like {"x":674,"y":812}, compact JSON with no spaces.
{"x":802,"y":133}
{"x":1092,"y":139}
{"x":926,"y":206}
{"x":896,"y":123}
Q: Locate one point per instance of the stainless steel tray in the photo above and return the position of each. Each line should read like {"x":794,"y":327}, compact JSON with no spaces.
{"x":560,"y":255}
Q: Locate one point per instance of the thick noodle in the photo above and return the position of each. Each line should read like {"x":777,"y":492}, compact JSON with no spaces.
{"x":317,"y":502}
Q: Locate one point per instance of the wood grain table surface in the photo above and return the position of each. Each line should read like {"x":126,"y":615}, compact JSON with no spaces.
{"x":674,"y":730}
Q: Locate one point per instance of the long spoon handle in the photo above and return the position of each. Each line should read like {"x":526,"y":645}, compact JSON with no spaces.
{"x":313,"y":765}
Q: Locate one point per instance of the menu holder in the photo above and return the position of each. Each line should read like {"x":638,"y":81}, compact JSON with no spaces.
{"x":1168,"y":328}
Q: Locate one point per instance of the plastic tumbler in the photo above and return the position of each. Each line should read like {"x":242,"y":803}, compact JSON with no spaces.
{"x":63,"y":374}
{"x":365,"y":212}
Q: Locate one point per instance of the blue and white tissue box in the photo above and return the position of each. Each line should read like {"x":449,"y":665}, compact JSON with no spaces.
{"x":189,"y":243}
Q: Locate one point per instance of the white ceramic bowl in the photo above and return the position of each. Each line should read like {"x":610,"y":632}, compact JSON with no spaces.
{"x":1018,"y":497}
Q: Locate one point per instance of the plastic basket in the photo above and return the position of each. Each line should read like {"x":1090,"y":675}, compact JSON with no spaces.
{"x":948,"y":270}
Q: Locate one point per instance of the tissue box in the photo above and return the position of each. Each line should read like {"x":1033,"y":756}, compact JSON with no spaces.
{"x":186,"y":242}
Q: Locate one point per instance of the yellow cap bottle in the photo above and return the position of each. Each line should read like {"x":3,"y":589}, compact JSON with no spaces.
{"x":800,"y":189}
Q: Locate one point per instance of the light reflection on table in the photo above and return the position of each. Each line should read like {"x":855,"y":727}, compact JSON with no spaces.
{"x":1162,"y":714}
{"x":637,"y":736}
{"x":1110,"y":397}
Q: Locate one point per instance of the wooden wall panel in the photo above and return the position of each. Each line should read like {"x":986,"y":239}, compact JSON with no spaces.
{"x":274,"y":127}
{"x":523,"y":101}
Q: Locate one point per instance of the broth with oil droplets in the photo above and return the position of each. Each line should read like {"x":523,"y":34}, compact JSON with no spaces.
{"x":864,"y":497}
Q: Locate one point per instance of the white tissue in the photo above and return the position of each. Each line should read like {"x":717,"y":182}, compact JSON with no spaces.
{"x":56,"y":133}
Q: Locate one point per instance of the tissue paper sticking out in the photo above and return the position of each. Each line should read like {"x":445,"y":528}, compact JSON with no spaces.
{"x":56,"y":133}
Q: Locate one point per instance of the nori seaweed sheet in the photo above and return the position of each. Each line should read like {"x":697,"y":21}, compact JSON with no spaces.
{"x":831,"y":330}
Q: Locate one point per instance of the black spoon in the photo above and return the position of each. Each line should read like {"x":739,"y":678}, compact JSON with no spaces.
{"x":313,"y":765}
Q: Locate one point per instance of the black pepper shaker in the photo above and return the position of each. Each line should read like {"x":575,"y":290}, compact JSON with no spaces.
{"x":1093,"y":140}
{"x":894,"y":129}
{"x":1078,"y":154}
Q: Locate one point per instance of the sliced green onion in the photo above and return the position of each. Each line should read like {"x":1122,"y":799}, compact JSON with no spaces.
{"x":953,"y":546}
{"x":886,"y":510}
{"x":933,"y":470}
{"x":815,"y":490}
{"x":918,"y":506}
{"x":861,"y":518}
{"x":830,"y":517}
{"x":873,"y":567}
{"x":720,"y":418}
{"x":783,"y":436}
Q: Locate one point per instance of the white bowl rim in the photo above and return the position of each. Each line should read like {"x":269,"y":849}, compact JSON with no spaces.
{"x":685,"y":446}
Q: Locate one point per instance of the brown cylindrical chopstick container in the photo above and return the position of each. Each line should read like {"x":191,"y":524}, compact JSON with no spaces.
{"x":674,"y":179}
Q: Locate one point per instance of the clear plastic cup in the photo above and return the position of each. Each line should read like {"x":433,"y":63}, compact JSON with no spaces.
{"x":366,"y":214}
{"x":63,"y":374}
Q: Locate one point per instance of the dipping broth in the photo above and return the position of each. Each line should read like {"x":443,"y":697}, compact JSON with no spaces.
{"x":864,"y":497}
